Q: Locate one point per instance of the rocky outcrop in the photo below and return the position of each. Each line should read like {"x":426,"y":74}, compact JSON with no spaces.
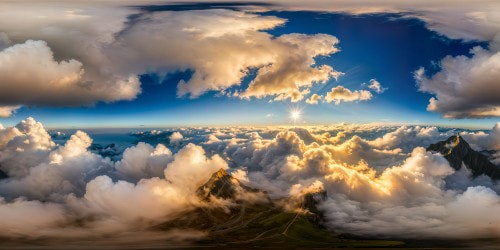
{"x":3,"y":175}
{"x":457,"y":151}
{"x":222,"y":185}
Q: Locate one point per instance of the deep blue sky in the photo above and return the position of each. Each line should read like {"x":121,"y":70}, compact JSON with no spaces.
{"x":384,"y":47}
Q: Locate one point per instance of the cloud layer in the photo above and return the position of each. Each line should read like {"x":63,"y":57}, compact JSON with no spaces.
{"x":384,"y":186}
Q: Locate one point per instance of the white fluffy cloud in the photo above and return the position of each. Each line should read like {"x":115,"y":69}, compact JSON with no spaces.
{"x":29,"y":69}
{"x":314,"y":99}
{"x":341,"y":94}
{"x":57,"y":60}
{"x":78,"y":54}
{"x":176,"y":137}
{"x":143,"y":161}
{"x":221,"y":55}
{"x":291,"y":73}
{"x":67,"y":182}
{"x":465,"y":87}
{"x":484,"y":141}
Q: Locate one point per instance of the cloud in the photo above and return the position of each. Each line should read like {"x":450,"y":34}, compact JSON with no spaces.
{"x":376,"y":86}
{"x":291,"y":74}
{"x":341,"y":94}
{"x":31,"y":76}
{"x":465,"y":87}
{"x":60,"y":184}
{"x":54,"y":172}
{"x":484,"y":141}
{"x":143,"y":161}
{"x":380,"y":181}
{"x":106,"y":67}
{"x":231,"y":50}
{"x":409,"y":137}
{"x":4,"y":41}
{"x":35,"y":218}
{"x":314,"y":99}
{"x":461,"y":20}
{"x":176,"y":137}
{"x":7,"y":111}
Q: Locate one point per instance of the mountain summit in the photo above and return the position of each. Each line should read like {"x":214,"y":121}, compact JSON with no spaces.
{"x":222,"y":185}
{"x":457,"y":151}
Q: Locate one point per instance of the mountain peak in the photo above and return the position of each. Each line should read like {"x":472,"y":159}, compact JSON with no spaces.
{"x":220,"y":174}
{"x":457,"y":151}
{"x":221,"y":184}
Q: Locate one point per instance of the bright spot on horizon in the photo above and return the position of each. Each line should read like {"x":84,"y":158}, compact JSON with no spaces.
{"x":295,"y":114}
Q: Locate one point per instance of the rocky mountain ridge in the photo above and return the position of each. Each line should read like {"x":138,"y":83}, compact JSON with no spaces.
{"x":459,"y":153}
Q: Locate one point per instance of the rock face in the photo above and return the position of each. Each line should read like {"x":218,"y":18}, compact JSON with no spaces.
{"x":311,"y":202}
{"x":457,"y":151}
{"x":3,"y":175}
{"x":222,"y":185}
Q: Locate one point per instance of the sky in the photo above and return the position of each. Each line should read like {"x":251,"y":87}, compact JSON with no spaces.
{"x":108,"y":77}
{"x":114,"y":113}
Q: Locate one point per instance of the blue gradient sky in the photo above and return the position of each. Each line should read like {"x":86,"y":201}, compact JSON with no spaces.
{"x":383,"y":47}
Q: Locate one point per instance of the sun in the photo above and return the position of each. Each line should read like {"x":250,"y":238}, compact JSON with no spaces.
{"x":295,"y":114}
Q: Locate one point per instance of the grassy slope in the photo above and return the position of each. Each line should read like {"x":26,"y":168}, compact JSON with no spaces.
{"x":265,"y":226}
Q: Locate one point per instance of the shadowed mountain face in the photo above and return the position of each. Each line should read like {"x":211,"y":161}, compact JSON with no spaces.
{"x":262,"y":222}
{"x":457,"y":151}
{"x":3,"y":175}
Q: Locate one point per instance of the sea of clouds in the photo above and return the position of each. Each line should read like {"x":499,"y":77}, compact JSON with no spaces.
{"x":380,"y":180}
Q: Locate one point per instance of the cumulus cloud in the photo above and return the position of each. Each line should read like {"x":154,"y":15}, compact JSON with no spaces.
{"x":143,"y":161}
{"x":484,"y":141}
{"x":64,"y":183}
{"x":6,"y":111}
{"x":232,"y":51}
{"x":291,"y":74}
{"x":341,"y":94}
{"x":175,"y":137}
{"x":39,"y":68}
{"x":465,"y":87}
{"x":409,"y":137}
{"x":314,"y":99}
{"x":82,"y":71}
{"x":29,"y":69}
